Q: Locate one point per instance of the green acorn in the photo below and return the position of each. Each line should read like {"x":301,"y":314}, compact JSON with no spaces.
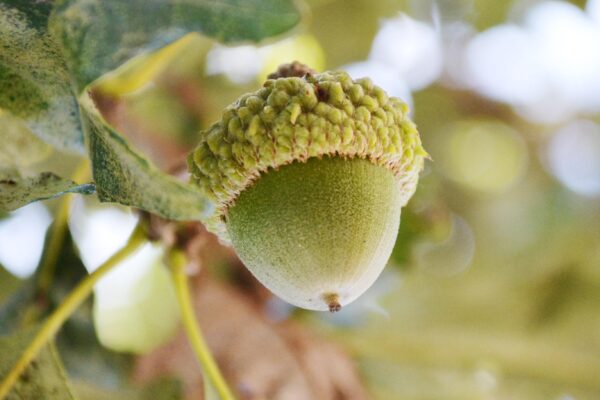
{"x":307,"y":176}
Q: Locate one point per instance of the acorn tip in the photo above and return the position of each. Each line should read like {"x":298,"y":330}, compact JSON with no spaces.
{"x":332,"y":300}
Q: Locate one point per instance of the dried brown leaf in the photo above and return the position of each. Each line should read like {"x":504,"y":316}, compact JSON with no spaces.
{"x":261,"y":359}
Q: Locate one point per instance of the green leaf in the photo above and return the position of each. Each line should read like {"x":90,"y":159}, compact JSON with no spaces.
{"x":98,"y":36}
{"x":43,"y":379}
{"x":20,"y":148}
{"x":94,"y":37}
{"x":123,"y":176}
{"x":34,"y":82}
{"x":16,"y":192}
{"x":14,"y":308}
{"x":161,"y":389}
{"x":47,"y":48}
{"x":8,"y":285}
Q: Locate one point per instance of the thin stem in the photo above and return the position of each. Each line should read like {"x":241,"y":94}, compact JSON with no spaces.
{"x":67,"y":307}
{"x":209,"y":366}
{"x":56,"y":235}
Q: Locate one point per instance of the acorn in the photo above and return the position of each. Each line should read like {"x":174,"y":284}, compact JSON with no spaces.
{"x":307,"y":176}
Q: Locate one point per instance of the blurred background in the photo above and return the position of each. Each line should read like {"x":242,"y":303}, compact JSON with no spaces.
{"x":493,"y":290}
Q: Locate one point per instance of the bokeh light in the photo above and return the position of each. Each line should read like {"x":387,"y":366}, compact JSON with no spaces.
{"x":592,"y":8}
{"x":412,"y":48}
{"x":568,"y":46}
{"x":450,"y":256}
{"x":487,"y":156}
{"x":503,"y":66}
{"x":240,"y":64}
{"x":135,"y":307}
{"x":243,"y":64}
{"x":22,"y":235}
{"x":574,"y":157}
{"x":546,"y":67}
{"x":99,"y":230}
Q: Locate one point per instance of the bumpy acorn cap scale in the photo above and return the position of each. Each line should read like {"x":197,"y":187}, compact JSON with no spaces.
{"x":297,"y":118}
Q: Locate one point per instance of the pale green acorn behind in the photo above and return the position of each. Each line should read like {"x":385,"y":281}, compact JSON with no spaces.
{"x":307,"y":176}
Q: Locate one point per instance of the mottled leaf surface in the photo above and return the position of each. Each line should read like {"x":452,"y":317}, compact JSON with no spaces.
{"x":34,"y":82}
{"x":16,"y":192}
{"x":44,"y":379}
{"x":97,"y":36}
{"x":52,"y":50}
{"x":124,"y":177}
{"x":19,"y":147}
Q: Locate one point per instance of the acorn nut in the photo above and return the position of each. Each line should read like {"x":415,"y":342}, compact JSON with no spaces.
{"x":307,"y":176}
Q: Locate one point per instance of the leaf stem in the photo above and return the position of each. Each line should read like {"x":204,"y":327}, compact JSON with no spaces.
{"x":56,"y":236}
{"x":178,"y":263}
{"x":67,"y":307}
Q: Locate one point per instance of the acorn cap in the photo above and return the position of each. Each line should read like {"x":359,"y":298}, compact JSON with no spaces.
{"x":294,"y":119}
